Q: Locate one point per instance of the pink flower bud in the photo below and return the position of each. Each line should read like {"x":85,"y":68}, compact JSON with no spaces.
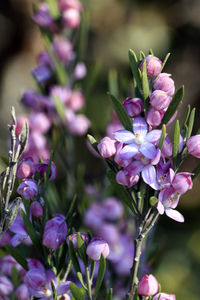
{"x":55,"y":232}
{"x":153,"y":65}
{"x":63,"y":93}
{"x":133,"y":106}
{"x":20,"y":122}
{"x":74,"y":239}
{"x":22,"y":292}
{"x":163,"y":296}
{"x":80,"y":71}
{"x":148,"y":285}
{"x":193,"y":145}
{"x":71,"y":18}
{"x":28,"y":188}
{"x":107,"y":147}
{"x":164,"y":83}
{"x":124,"y":177}
{"x":76,"y":100}
{"x":63,"y":49}
{"x":154,"y":117}
{"x":26,"y":168}
{"x":66,"y":4}
{"x":112,"y":209}
{"x":96,"y":247}
{"x":182,"y":182}
{"x":36,"y":209}
{"x":160,"y":100}
{"x":39,"y":122}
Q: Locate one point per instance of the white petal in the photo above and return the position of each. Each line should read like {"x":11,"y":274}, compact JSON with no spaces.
{"x":140,"y":126}
{"x":124,"y":136}
{"x":153,"y":135}
{"x":175,"y":215}
{"x":128,"y":151}
{"x":160,"y":208}
{"x":149,"y":177}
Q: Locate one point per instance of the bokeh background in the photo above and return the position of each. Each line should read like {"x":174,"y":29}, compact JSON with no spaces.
{"x":114,"y":27}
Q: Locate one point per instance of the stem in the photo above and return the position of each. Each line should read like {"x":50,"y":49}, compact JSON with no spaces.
{"x":67,"y":271}
{"x":88,"y":283}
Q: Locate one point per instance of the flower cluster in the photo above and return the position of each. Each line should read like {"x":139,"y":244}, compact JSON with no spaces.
{"x":146,"y":152}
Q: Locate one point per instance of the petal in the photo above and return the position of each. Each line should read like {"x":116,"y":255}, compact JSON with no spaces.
{"x":175,"y":215}
{"x":171,"y":175}
{"x":63,"y":288}
{"x":124,"y":136}
{"x":140,"y":126}
{"x":153,"y":136}
{"x":128,"y":151}
{"x":148,"y":150}
{"x":156,"y":159}
{"x":149,"y":177}
{"x":135,"y":168}
{"x":160,"y":208}
{"x":17,"y":239}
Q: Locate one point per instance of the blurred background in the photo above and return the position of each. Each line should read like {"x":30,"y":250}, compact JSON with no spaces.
{"x":114,"y":27}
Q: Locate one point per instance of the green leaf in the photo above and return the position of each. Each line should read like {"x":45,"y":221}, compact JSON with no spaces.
{"x":32,"y":234}
{"x":134,"y":67}
{"x":121,"y":191}
{"x":100,"y":276}
{"x":14,"y":252}
{"x":151,"y":52}
{"x":53,"y":8}
{"x":178,"y":97}
{"x":71,"y":210}
{"x":55,"y":297}
{"x":165,"y":60}
{"x":62,"y":257}
{"x":60,"y":108}
{"x":142,"y":55}
{"x":145,"y":84}
{"x":76,"y":291}
{"x":75,"y":262}
{"x":112,"y":82}
{"x":93,"y":142}
{"x":82,"y":248}
{"x":121,"y":113}
{"x":187,"y":115}
{"x":162,"y":137}
{"x":191,"y":123}
{"x":153,"y":200}
{"x":15,"y":276}
{"x":109,"y":295}
{"x":176,"y":139}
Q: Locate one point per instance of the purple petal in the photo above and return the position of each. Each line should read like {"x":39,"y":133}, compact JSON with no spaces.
{"x":148,"y":150}
{"x":171,"y":175}
{"x":156,"y":159}
{"x":17,"y":239}
{"x":18,"y":226}
{"x":128,"y":151}
{"x":140,"y":126}
{"x":63,"y":288}
{"x":135,"y":168}
{"x":149,"y":176}
{"x":124,"y":136}
{"x":153,"y":136}
{"x":175,"y":215}
{"x":160,"y":208}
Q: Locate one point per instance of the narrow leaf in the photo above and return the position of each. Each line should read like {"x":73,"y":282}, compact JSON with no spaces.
{"x":165,"y":60}
{"x":76,"y":291}
{"x":59,"y":107}
{"x":145,"y":83}
{"x":142,"y":55}
{"x":178,"y":97}
{"x":112,"y":82}
{"x":121,"y":113}
{"x":81,"y":248}
{"x":134,"y":67}
{"x":100,"y":276}
{"x":153,"y":200}
{"x":162,"y":138}
{"x":17,"y":255}
{"x":151,"y":52}
{"x":93,"y":142}
{"x":109,"y":295}
{"x":187,"y":115}
{"x":176,"y":139}
{"x":191,"y":123}
{"x":54,"y":291}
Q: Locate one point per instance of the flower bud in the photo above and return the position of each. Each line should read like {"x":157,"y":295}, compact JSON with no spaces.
{"x":42,"y":17}
{"x":80,"y":71}
{"x":193,"y":145}
{"x":55,"y":232}
{"x":112,"y":209}
{"x":28,"y":188}
{"x":164,"y":83}
{"x":163,"y":296}
{"x":160,"y":100}
{"x":71,"y":18}
{"x":107,"y":147}
{"x":39,"y":122}
{"x":5,"y":286}
{"x":125,"y":178}
{"x":148,"y":285}
{"x":76,"y":100}
{"x":22,"y":292}
{"x":133,"y":106}
{"x":31,"y":99}
{"x":154,"y":117}
{"x":109,"y":233}
{"x":20,"y":122}
{"x":26,"y":168}
{"x":66,"y":4}
{"x":42,"y":168}
{"x":153,"y":65}
{"x":167,"y":148}
{"x":63,"y":49}
{"x":182,"y":182}
{"x":42,"y":73}
{"x":36,"y":209}
{"x":96,"y":247}
{"x":74,"y":239}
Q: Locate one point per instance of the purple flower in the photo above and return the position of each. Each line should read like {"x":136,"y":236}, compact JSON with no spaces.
{"x":121,"y":162}
{"x":93,"y":217}
{"x":36,"y":209}
{"x":148,"y":285}
{"x":96,"y":247}
{"x":193,"y":145}
{"x":22,"y":292}
{"x":40,"y":122}
{"x":164,"y":296}
{"x":63,"y":49}
{"x":154,"y":117}
{"x":109,"y":233}
{"x":106,"y":147}
{"x":42,"y":168}
{"x":125,"y":177}
{"x":55,"y":232}
{"x":74,"y":239}
{"x":42,"y":73}
{"x":153,"y":65}
{"x":6,"y":286}
{"x":160,"y":100}
{"x":42,"y":16}
{"x":140,"y":141}
{"x":28,"y":188}
{"x":21,"y":235}
{"x":133,"y":106}
{"x":164,"y":83}
{"x":26,"y":168}
{"x":112,"y":209}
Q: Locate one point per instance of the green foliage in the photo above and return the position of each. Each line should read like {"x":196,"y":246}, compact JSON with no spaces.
{"x":76,"y":292}
{"x":176,"y":139}
{"x":17,"y":255}
{"x":100,"y":276}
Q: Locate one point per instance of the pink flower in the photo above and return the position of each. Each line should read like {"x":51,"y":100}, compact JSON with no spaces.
{"x":125,"y":177}
{"x":96,"y":247}
{"x":148,"y":285}
{"x":74,"y":239}
{"x":106,"y":147}
{"x":6,"y":286}
{"x":77,"y":124}
{"x":182,"y":182}
{"x":26,"y":168}
{"x":66,"y":4}
{"x":20,"y":122}
{"x":109,"y":233}
{"x":63,"y":49}
{"x":71,"y":18}
{"x":164,"y":83}
{"x":160,"y":100}
{"x":133,"y":106}
{"x":163,"y":296}
{"x":193,"y":145}
{"x":76,"y":100}
{"x":153,"y":66}
{"x":28,"y":188}
{"x":80,"y":71}
{"x":39,"y":122}
{"x":154,"y":117}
